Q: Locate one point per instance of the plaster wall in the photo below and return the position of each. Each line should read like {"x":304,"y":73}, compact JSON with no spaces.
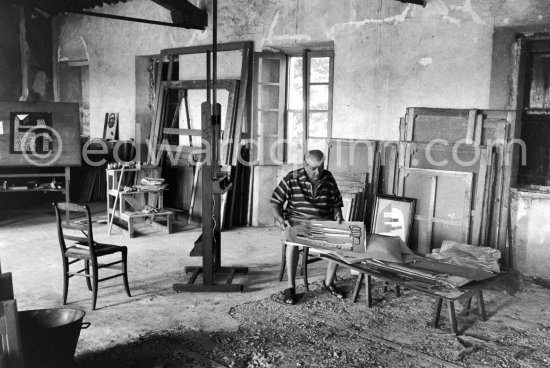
{"x":530,"y":251}
{"x":10,"y":63}
{"x":389,"y":55}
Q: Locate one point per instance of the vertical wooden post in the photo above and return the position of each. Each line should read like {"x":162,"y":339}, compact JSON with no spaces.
{"x":55,"y":65}
{"x":208,"y":230}
{"x":24,"y":46}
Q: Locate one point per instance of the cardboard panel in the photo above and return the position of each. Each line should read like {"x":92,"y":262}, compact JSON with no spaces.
{"x":351,"y":155}
{"x":443,"y":197}
{"x":442,"y":232}
{"x":462,"y":158}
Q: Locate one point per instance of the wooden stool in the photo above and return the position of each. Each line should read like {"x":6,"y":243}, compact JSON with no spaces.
{"x":368,"y":288}
{"x":163,"y":215}
{"x":452,"y":313}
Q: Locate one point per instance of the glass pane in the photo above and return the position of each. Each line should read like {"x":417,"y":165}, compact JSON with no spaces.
{"x":271,"y":150}
{"x":295,"y":137}
{"x":269,"y":70}
{"x":268,"y":122}
{"x":320,"y":70}
{"x":295,"y":85}
{"x":318,"y":124}
{"x":318,"y":97}
{"x":319,"y":144}
{"x":268,"y":96}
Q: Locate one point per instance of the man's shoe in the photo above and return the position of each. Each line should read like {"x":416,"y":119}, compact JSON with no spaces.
{"x":333,"y":290}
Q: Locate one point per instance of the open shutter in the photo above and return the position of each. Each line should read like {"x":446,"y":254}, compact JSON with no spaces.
{"x":269,"y":107}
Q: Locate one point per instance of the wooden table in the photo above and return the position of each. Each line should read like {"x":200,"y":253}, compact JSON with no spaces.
{"x":449,"y":295}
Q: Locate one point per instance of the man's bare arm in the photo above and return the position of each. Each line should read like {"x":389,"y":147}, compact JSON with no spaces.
{"x":278,"y":214}
{"x":338,"y":214}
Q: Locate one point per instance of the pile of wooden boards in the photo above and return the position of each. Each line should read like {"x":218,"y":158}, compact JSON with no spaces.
{"x":362,"y":168}
{"x":458,"y":164}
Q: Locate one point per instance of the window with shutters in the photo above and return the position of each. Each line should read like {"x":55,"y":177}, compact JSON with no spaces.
{"x":293,"y":104}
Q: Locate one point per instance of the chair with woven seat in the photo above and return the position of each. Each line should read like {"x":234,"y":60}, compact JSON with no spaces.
{"x":85,"y":249}
{"x":306,"y":259}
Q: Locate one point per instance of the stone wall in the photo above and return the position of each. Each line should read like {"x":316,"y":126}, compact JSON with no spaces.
{"x":389,"y":55}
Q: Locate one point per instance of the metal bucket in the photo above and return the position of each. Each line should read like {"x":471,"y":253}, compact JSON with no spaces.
{"x":49,"y":336}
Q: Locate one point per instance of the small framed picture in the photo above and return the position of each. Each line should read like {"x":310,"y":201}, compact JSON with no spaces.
{"x":110,"y":128}
{"x":393,"y":216}
{"x":30,"y":132}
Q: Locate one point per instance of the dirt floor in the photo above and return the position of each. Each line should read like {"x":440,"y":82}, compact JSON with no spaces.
{"x":159,"y":328}
{"x":322,"y":331}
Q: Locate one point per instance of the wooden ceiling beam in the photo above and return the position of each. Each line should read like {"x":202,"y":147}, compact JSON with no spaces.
{"x":184,"y":14}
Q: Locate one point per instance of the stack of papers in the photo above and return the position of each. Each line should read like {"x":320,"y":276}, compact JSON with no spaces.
{"x":151,"y":184}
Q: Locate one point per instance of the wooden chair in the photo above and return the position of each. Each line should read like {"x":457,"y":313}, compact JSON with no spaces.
{"x":306,"y":259}
{"x":87,"y":250}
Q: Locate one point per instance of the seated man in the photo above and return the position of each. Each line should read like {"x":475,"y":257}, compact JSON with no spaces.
{"x":310,"y":193}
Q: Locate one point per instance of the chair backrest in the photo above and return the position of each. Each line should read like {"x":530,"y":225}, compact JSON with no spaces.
{"x":79,"y":231}
{"x":11,"y":352}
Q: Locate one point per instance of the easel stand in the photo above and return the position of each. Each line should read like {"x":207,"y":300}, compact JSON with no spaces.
{"x":214,"y":183}
{"x":211,"y":240}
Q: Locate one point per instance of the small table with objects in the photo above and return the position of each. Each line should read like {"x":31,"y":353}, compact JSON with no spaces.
{"x":408,"y":276}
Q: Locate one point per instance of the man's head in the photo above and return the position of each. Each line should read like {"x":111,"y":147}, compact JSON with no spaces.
{"x":314,"y":164}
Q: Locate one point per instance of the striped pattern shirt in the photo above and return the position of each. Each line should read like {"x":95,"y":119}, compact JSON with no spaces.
{"x":296,"y":191}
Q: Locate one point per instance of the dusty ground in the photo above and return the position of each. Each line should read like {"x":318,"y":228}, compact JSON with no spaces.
{"x":321,"y":331}
{"x":158,"y":327}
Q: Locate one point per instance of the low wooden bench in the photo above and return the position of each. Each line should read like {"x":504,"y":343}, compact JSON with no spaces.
{"x":129,"y":220}
{"x":449,"y":295}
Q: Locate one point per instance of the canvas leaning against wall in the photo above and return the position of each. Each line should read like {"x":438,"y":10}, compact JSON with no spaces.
{"x":30,"y":132}
{"x":110,"y":129}
{"x":393,"y":216}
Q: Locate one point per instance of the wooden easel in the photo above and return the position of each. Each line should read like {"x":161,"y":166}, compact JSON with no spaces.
{"x":211,"y":195}
{"x":211,"y":224}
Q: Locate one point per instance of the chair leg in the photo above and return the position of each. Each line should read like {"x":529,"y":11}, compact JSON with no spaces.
{"x":368,"y":290}
{"x":452,"y":316}
{"x":283,"y":261}
{"x":125,"y":272}
{"x":65,"y":280}
{"x":437,"y":312}
{"x":88,"y":282}
{"x":94,"y":290}
{"x":468,"y":307}
{"x":481,"y":305}
{"x":358,"y":283}
{"x":305,"y":255}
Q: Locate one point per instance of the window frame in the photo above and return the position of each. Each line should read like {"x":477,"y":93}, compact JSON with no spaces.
{"x":307,"y":55}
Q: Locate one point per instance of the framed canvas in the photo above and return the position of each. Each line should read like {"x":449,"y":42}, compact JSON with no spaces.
{"x":30,"y":132}
{"x":110,"y":128}
{"x":393,"y":216}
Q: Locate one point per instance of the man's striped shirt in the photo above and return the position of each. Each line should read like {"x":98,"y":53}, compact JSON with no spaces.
{"x":296,"y":191}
